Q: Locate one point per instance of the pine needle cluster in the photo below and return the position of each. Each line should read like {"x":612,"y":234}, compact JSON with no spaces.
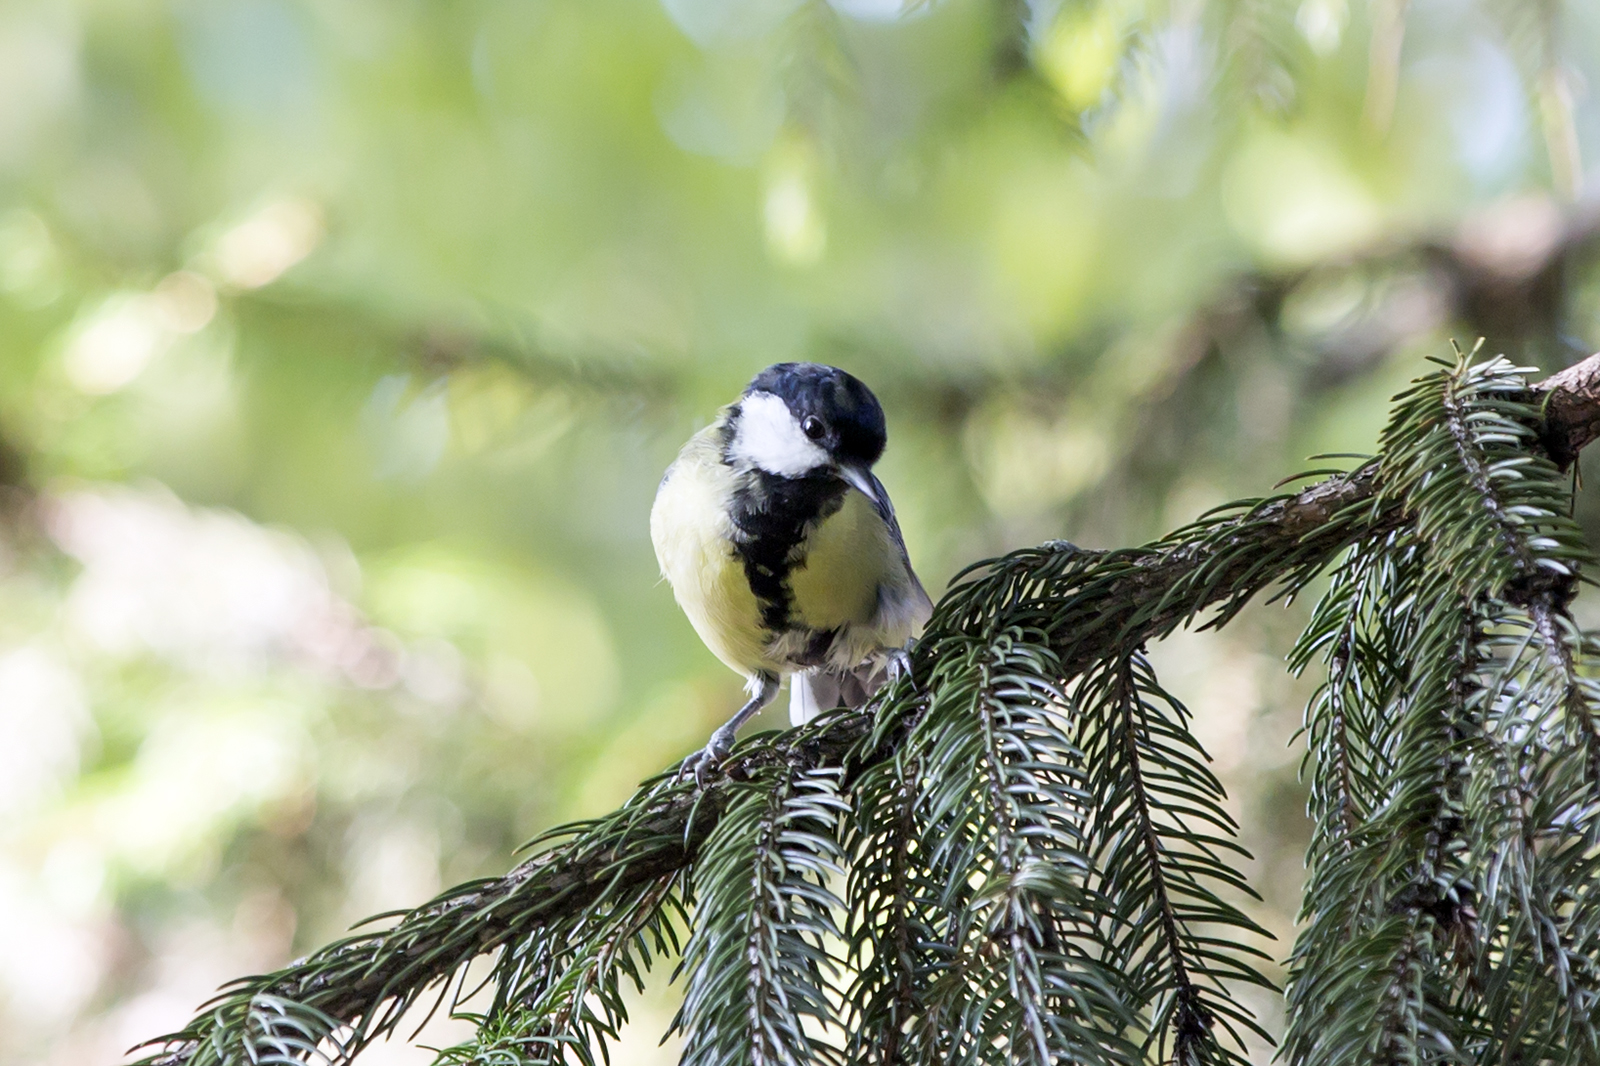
{"x":1020,"y":855}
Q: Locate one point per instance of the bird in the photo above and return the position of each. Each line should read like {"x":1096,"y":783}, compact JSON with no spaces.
{"x":782,"y":547}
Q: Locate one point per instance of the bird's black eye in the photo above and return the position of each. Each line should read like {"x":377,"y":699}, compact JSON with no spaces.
{"x":813,"y":427}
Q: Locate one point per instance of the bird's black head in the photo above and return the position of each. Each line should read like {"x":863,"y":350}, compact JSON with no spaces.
{"x":826,"y":417}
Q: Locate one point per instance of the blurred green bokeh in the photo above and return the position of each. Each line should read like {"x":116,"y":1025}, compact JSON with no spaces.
{"x":342,"y":345}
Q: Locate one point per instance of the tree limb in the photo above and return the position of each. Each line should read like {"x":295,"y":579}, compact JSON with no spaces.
{"x":368,"y":980}
{"x":1572,"y":410}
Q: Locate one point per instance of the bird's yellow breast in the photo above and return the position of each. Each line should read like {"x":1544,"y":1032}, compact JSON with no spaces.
{"x":693,"y":537}
{"x":841,"y":565}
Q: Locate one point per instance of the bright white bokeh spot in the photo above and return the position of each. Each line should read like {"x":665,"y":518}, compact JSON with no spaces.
{"x":113,"y":344}
{"x":258,"y":250}
{"x":44,"y":720}
{"x":391,"y":867}
{"x":52,"y":962}
{"x":708,"y":22}
{"x":208,"y":589}
{"x":796,"y":233}
{"x":73,"y":875}
{"x":1322,"y":23}
{"x":214,"y":593}
{"x":185,"y":302}
{"x":879,"y":10}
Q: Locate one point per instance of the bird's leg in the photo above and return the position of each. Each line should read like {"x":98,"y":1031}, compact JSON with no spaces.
{"x":722,"y":740}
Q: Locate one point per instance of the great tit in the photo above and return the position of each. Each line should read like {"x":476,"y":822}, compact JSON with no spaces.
{"x":782,"y":547}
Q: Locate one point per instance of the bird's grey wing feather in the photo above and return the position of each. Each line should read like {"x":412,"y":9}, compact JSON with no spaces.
{"x":885,"y":509}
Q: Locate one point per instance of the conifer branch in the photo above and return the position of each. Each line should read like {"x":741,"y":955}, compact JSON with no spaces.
{"x":1011,"y":957}
{"x":996,"y":907}
{"x":1412,"y":923}
{"x":1539,"y":829}
{"x":1164,"y":848}
{"x":892,"y":914}
{"x":758,"y":960}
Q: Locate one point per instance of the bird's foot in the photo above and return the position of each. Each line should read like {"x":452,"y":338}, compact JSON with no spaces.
{"x":899,"y":665}
{"x":707,"y":758}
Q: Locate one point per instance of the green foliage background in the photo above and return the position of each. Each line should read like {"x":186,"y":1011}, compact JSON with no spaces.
{"x":342,"y":344}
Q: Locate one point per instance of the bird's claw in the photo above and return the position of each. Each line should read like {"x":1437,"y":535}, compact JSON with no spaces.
{"x":899,"y":665}
{"x":696,"y":765}
{"x":706,"y":759}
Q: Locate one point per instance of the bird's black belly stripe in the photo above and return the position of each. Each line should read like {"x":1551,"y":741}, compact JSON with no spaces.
{"x":772,"y":516}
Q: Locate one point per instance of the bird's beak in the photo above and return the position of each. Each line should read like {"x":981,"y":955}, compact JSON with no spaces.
{"x":860,"y":480}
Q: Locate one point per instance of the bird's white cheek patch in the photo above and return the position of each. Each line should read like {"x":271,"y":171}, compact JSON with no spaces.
{"x":770,"y":438}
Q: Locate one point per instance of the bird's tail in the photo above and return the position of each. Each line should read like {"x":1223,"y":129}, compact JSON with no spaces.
{"x":822,"y":689}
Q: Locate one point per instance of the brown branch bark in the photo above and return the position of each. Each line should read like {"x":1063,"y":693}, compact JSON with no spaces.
{"x":370,"y":976}
{"x":1572,"y":410}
